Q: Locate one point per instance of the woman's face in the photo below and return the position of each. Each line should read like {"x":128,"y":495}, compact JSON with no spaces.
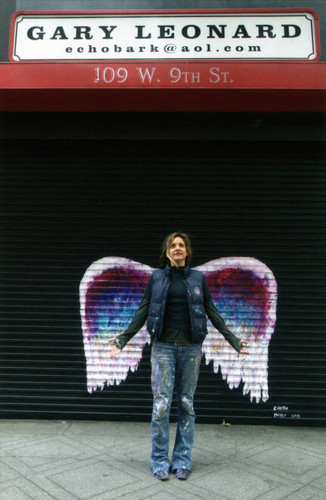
{"x":178,"y":252}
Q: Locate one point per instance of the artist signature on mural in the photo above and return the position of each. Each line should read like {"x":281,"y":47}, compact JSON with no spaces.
{"x":159,"y":76}
{"x":285,"y":412}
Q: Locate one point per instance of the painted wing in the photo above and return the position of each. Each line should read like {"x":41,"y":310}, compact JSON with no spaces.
{"x":110,"y":292}
{"x":244,"y":291}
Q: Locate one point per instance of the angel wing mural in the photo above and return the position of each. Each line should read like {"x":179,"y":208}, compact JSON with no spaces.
{"x":244,"y":291}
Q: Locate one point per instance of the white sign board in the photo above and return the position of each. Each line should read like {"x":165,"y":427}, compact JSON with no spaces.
{"x":158,"y":36}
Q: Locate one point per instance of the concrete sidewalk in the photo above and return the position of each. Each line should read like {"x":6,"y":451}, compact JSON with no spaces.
{"x":43,"y":459}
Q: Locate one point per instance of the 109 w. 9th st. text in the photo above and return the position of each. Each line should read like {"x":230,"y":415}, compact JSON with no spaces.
{"x":150,"y":75}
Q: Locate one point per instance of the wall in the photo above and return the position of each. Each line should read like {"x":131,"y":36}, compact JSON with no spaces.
{"x":76,"y":188}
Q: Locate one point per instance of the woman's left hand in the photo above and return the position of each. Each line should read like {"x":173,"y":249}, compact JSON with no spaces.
{"x":243,"y":350}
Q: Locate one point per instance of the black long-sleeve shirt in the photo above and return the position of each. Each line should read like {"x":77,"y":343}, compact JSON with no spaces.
{"x":176,"y":327}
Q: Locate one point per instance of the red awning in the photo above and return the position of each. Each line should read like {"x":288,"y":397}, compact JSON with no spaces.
{"x":164,"y":86}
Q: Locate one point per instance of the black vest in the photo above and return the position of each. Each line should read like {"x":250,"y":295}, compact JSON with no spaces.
{"x":193,"y":281}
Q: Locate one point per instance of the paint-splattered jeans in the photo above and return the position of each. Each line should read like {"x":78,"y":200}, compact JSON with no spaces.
{"x":173,"y":366}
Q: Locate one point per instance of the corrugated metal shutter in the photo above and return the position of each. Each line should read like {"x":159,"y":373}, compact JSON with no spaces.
{"x":67,"y":203}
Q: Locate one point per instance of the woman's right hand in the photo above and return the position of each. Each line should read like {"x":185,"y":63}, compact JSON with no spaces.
{"x":115,"y":350}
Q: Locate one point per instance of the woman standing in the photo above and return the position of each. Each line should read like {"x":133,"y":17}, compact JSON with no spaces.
{"x":175,"y":304}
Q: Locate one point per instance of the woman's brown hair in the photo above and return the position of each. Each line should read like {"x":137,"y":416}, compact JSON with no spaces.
{"x":164,"y":259}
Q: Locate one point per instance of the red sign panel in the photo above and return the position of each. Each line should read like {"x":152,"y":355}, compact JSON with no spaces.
{"x":200,"y":75}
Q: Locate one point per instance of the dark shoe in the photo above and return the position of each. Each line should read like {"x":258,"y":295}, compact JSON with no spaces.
{"x":162,"y":475}
{"x":182,"y":474}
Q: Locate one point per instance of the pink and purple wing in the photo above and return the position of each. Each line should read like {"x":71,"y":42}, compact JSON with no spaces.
{"x":244,"y":291}
{"x":110,"y":293}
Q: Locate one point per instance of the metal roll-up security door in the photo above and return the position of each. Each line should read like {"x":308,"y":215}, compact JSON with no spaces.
{"x":67,"y":204}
